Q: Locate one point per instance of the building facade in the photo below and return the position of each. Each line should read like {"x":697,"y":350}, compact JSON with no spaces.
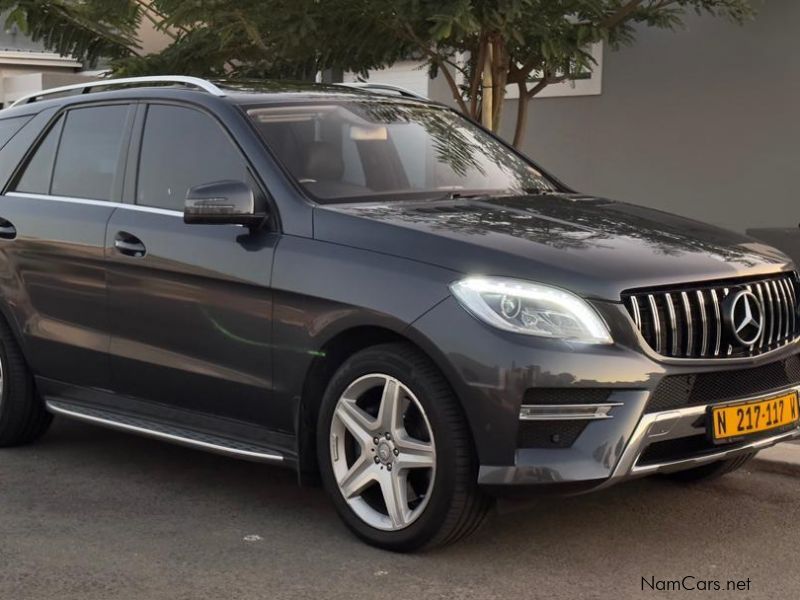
{"x":701,"y":122}
{"x":26,"y":66}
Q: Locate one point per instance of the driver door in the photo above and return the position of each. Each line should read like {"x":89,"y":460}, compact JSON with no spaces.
{"x":190,"y":305}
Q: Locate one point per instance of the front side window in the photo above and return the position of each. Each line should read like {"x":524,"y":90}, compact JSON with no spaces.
{"x":390,"y":150}
{"x":88,"y":158}
{"x":183,"y":148}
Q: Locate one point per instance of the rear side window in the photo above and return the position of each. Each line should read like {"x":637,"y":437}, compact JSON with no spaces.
{"x":9,"y":128}
{"x":89,"y":153}
{"x":183,"y":148}
{"x":36,"y":177}
{"x":80,"y":156}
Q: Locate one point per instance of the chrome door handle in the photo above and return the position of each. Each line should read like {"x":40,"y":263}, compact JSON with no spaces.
{"x":129,"y":245}
{"x":7,"y":230}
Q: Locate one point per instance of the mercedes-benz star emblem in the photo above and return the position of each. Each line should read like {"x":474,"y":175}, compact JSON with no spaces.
{"x":746,"y":317}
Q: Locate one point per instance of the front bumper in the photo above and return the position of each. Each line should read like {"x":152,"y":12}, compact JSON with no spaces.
{"x":494,"y":374}
{"x":654,"y":430}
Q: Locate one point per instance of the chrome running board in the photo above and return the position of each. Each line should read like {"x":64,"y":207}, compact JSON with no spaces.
{"x":161,"y":431}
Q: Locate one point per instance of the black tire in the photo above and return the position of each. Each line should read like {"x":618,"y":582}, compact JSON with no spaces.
{"x":456,"y":506}
{"x":23,"y":417}
{"x":711,"y":471}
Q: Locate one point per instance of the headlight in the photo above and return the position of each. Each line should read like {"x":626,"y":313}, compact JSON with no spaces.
{"x":531,"y":308}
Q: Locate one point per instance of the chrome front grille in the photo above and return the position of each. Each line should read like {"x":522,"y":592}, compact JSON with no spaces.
{"x":696,"y":321}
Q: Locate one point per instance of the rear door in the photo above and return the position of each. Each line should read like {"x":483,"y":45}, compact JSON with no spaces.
{"x":53,"y":220}
{"x":191,"y":306}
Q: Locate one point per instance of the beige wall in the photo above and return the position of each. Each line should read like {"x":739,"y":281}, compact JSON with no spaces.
{"x":151,"y":39}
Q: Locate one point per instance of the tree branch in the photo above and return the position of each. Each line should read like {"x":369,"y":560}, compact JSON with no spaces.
{"x":623,"y":13}
{"x":442,"y":64}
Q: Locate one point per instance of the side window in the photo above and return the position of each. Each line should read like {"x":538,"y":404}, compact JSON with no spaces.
{"x":36,"y":177}
{"x":89,"y":153}
{"x":182,"y":148}
{"x":10,"y":127}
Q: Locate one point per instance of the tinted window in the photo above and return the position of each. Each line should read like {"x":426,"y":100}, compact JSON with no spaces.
{"x":9,"y":127}
{"x":89,"y":152}
{"x":182,"y":148}
{"x":35,"y":178}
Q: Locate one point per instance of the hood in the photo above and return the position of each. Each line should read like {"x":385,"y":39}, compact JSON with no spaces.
{"x":592,"y":246}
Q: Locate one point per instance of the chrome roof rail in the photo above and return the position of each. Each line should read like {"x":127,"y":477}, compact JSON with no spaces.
{"x":383,"y":87}
{"x":82,"y":88}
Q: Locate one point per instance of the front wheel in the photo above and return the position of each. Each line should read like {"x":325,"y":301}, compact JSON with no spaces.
{"x":395,"y":452}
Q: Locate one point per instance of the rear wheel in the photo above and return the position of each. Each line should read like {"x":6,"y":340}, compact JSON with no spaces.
{"x":395,"y":452}
{"x":23,"y":417}
{"x":711,"y":471}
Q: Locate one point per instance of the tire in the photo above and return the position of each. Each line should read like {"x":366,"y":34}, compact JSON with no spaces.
{"x":711,"y":471}
{"x":23,"y":417}
{"x":438,"y":497}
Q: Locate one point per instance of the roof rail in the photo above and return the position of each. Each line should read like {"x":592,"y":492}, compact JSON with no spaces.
{"x":82,"y":88}
{"x":383,"y":87}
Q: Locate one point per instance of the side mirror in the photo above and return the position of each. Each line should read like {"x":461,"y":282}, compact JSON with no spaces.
{"x":222,"y":202}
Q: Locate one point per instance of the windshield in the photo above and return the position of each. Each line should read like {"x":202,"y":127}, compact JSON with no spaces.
{"x":360,"y":151}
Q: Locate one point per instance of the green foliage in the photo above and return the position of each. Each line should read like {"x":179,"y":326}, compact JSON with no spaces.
{"x":530,"y":43}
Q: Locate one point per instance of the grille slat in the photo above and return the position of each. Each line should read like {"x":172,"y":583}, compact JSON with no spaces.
{"x":656,"y":322}
{"x":701,"y":302}
{"x":792,"y":301}
{"x":689,"y":327}
{"x":694,"y":321}
{"x":770,"y":314}
{"x":673,"y":324}
{"x":786,"y":306}
{"x":778,"y":311}
{"x":760,"y":290}
{"x":717,"y":321}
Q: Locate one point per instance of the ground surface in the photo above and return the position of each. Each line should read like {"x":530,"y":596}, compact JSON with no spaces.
{"x":95,"y":514}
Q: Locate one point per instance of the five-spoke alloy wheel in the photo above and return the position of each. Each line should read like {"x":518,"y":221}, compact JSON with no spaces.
{"x":383,"y":452}
{"x":395,"y":452}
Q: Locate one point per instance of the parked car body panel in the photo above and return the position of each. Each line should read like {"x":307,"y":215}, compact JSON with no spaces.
{"x":219,"y":327}
{"x":592,"y":246}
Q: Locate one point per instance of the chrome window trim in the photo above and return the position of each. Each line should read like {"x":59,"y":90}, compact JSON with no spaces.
{"x":91,"y":202}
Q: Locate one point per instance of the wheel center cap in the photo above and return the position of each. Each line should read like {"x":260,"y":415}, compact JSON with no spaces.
{"x":385,"y":452}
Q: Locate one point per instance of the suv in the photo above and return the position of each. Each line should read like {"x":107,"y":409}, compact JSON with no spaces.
{"x":371,"y":290}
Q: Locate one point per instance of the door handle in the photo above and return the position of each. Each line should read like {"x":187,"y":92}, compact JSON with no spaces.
{"x":7,"y":230}
{"x":129,"y":245}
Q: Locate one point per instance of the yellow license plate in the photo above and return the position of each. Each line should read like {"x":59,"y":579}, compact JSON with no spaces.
{"x":753,"y":417}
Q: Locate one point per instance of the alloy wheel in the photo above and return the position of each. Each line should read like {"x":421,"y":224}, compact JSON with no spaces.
{"x":383,"y":452}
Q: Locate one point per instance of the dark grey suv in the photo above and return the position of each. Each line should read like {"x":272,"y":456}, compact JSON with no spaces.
{"x":371,"y":290}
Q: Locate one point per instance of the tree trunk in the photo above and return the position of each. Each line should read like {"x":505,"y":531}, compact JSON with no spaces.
{"x":487,"y":93}
{"x":522,"y":114}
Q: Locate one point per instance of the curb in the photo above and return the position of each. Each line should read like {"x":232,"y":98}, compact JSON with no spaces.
{"x":783,"y":458}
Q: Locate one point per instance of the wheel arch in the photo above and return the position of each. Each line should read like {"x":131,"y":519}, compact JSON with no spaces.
{"x":330,"y":357}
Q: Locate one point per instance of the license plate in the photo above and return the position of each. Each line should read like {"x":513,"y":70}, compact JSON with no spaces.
{"x":750,"y":418}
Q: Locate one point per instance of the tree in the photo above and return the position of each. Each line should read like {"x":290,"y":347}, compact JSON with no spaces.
{"x":480,"y":47}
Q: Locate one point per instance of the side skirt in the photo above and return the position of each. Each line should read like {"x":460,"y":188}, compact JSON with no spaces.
{"x":163,"y":431}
